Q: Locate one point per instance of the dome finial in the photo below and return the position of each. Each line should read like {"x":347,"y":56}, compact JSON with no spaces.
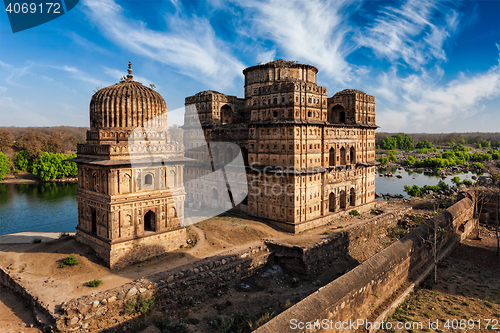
{"x":130,"y":76}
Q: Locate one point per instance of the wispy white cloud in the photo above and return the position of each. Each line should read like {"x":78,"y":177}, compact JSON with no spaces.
{"x":312,"y":31}
{"x":422,"y":103}
{"x":190,"y":46}
{"x":78,"y":74}
{"x":414,"y":31}
{"x":13,"y":74}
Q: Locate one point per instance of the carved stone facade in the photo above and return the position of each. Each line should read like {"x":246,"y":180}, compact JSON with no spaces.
{"x":309,"y":158}
{"x":129,"y":208}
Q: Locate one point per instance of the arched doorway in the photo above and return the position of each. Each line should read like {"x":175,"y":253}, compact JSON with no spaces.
{"x":332,"y":157}
{"x":343,"y":199}
{"x":342,"y":156}
{"x":149,"y":221}
{"x":226,"y":114}
{"x":353,"y":155}
{"x":352,"y":198}
{"x":337,"y":114}
{"x":331,"y":201}
{"x":94,"y":221}
{"x":215,"y":198}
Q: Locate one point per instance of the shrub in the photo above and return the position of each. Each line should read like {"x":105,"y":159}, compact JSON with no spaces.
{"x":354,"y":213}
{"x":393,"y":158}
{"x":94,"y":283}
{"x":130,"y":306}
{"x":478,"y":165}
{"x":63,"y":234}
{"x":392,"y":152}
{"x":70,"y":260}
{"x":326,"y":232}
{"x":409,"y":160}
{"x":145,"y":304}
{"x":417,"y":191}
{"x":467,"y":182}
{"x":424,"y":144}
{"x":383,"y":160}
{"x":456,"y":180}
{"x":62,"y":265}
{"x":36,"y":240}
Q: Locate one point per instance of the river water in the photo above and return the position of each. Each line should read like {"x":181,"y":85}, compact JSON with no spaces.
{"x":394,"y":185}
{"x":52,"y":206}
{"x":38,"y":207}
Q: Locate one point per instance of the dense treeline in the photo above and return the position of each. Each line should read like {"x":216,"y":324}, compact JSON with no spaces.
{"x":37,"y":140}
{"x":40,"y":150}
{"x":450,"y":139}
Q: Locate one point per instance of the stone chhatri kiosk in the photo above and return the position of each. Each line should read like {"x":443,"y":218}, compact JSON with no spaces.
{"x":130,"y":206}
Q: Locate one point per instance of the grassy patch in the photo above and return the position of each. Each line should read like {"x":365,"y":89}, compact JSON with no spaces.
{"x":354,"y":212}
{"x":70,"y":260}
{"x":94,"y":283}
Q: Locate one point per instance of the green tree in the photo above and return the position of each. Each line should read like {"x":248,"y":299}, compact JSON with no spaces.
{"x":23,"y":161}
{"x":424,"y":144}
{"x":4,"y":165}
{"x":397,"y":141}
{"x":383,"y":160}
{"x":51,"y":166}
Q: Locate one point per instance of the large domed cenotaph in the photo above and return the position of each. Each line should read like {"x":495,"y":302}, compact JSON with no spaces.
{"x":130,"y":177}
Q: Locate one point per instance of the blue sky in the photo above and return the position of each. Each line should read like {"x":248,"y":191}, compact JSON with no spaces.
{"x":433,"y":66}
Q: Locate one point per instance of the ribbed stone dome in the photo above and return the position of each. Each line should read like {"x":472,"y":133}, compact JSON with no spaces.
{"x":127,"y":104}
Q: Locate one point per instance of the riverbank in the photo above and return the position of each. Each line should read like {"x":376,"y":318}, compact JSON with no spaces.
{"x":24,"y":177}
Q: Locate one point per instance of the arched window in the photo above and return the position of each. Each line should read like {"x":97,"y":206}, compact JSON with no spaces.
{"x":352,"y":199}
{"x":332,"y":157}
{"x":309,"y":113}
{"x":275,"y":114}
{"x":342,"y":156}
{"x":353,"y":155}
{"x":148,"y":180}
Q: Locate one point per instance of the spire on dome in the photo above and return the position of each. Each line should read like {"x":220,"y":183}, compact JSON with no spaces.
{"x":130,"y":76}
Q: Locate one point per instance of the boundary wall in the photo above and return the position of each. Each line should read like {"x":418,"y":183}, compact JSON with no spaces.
{"x":356,"y":294}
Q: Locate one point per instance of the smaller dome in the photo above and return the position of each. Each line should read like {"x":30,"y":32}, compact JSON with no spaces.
{"x":350,"y":92}
{"x":127,"y":104}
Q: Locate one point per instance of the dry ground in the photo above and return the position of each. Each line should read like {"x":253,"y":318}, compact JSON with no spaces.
{"x":468,"y":290}
{"x":37,"y":265}
{"x":261,"y":297}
